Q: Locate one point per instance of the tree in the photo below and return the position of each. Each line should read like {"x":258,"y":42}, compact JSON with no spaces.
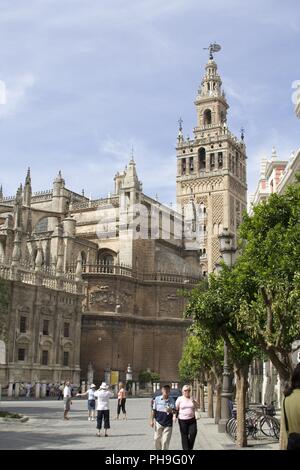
{"x":214,"y":307}
{"x":270,"y":258}
{"x":202,"y":360}
{"x":147,"y":376}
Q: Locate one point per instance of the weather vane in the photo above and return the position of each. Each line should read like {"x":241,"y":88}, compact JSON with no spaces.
{"x":214,"y":47}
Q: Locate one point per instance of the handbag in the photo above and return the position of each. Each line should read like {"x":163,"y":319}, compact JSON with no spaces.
{"x":293,"y":437}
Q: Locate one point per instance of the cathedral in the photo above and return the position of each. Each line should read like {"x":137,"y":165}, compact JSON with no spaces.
{"x":99,"y":281}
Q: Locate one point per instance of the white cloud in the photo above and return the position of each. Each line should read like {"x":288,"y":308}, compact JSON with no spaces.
{"x":16,"y":93}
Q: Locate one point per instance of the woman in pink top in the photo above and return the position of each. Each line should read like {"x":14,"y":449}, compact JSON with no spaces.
{"x":121,"y":401}
{"x":186,"y":406}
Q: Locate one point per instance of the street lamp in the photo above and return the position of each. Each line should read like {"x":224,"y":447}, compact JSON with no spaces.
{"x":227,"y":251}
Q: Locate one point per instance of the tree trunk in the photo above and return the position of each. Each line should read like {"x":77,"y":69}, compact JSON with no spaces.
{"x":210,"y":396}
{"x":282,"y":434}
{"x":218,"y":400}
{"x":241,"y":377}
{"x":202,"y":404}
{"x":218,"y":378}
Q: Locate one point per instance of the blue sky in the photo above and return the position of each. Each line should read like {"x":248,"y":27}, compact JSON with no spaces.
{"x":87,"y":79}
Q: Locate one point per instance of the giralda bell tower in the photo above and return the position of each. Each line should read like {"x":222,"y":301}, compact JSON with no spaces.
{"x":211,"y":168}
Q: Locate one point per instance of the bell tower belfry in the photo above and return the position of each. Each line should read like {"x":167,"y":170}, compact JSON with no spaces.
{"x":212,"y":168}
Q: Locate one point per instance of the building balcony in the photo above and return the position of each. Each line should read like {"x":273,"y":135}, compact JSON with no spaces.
{"x":112,"y":270}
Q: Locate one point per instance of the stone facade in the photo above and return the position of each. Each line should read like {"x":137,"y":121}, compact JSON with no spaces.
{"x":118,"y":259}
{"x":42,"y":332}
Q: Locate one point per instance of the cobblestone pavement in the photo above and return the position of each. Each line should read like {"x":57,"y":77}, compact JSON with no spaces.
{"x":47,"y":430}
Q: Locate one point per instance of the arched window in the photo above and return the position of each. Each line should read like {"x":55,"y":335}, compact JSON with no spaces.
{"x":220,"y":159}
{"x":207,"y":117}
{"x":41,"y":226}
{"x":105,"y":262}
{"x":202,"y":158}
{"x":2,"y":352}
{"x":83,"y":259}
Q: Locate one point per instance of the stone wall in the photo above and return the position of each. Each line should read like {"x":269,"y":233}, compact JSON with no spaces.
{"x":113,"y":343}
{"x":36,"y":304}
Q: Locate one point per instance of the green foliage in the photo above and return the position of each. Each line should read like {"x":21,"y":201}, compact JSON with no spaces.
{"x":155,"y":377}
{"x":147,"y":376}
{"x":214,"y":307}
{"x":189,"y":365}
{"x":200,"y":354}
{"x":270,"y":260}
{"x":144,"y":377}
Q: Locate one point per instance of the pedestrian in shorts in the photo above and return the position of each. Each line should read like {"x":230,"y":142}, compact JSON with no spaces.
{"x":67,"y":399}
{"x":91,"y":401}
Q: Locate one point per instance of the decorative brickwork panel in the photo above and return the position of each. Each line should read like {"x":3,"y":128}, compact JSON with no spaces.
{"x":202,"y":200}
{"x":232,"y":221}
{"x":106,"y":297}
{"x":237,"y":188}
{"x":215,"y":250}
{"x":238,"y":212}
{"x":170,"y":304}
{"x":217,"y":208}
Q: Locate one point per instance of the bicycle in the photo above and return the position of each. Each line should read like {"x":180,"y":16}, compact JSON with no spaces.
{"x":269,"y":425}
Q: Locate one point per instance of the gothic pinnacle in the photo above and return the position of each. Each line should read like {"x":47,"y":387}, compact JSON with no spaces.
{"x":28,"y":177}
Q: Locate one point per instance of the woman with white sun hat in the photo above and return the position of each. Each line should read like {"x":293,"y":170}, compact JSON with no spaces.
{"x":103,"y":395}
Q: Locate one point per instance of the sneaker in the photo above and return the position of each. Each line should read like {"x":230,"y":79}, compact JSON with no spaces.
{"x":98,"y":434}
{"x":105,"y":435}
{"x":93,"y":419}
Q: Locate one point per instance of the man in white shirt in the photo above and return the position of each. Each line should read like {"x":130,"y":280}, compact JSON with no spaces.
{"x":103,"y":395}
{"x":67,"y":399}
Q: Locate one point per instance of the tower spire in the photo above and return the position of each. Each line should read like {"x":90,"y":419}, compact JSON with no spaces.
{"x":180,"y":134}
{"x":132,"y":154}
{"x":28,"y":177}
{"x":27,"y":189}
{"x":210,"y":101}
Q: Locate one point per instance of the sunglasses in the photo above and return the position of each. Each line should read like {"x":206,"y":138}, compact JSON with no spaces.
{"x":186,"y":390}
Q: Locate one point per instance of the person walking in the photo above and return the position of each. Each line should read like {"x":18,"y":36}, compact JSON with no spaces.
{"x":186,"y":407}
{"x":28,"y":390}
{"x":103,"y":395}
{"x":67,"y":399}
{"x":91,"y":401}
{"x":121,"y":401}
{"x":162,"y":418}
{"x":60,"y":391}
{"x":290,"y":413}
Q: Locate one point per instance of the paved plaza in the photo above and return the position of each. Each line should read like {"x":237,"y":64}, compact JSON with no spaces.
{"x":47,"y":430}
